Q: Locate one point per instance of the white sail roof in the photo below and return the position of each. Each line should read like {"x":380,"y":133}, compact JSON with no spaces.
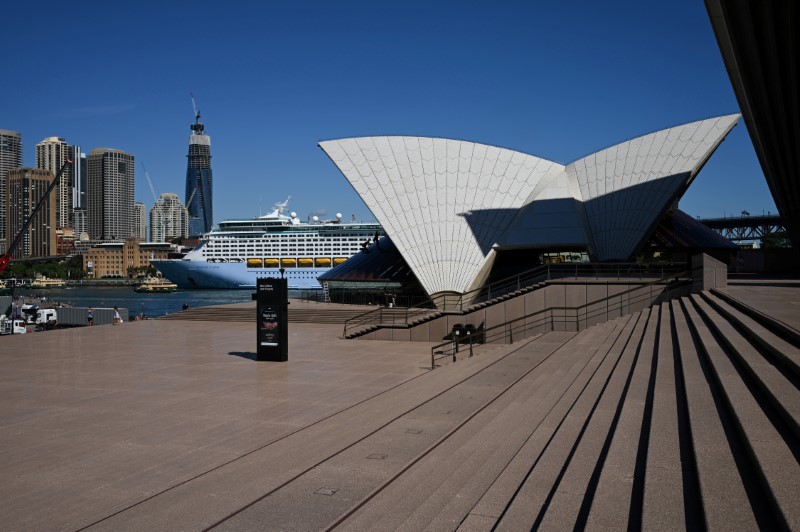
{"x":447,"y":203}
{"x":430,"y":196}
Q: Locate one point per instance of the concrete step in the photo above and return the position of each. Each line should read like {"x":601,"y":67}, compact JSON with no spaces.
{"x":722,"y":489}
{"x":572,"y":499}
{"x":379,"y":459}
{"x":326,"y":314}
{"x":781,"y":392}
{"x":775,"y":463}
{"x":785,"y":352}
{"x":786,"y":331}
{"x":618,"y":496}
{"x":543,"y":425}
{"x":442,"y":487}
{"x":663,"y":505}
{"x":529,"y":505}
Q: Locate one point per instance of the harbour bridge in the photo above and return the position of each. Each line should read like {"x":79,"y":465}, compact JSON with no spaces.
{"x":745,"y":228}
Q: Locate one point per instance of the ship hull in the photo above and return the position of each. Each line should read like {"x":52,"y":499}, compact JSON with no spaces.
{"x":232,"y":275}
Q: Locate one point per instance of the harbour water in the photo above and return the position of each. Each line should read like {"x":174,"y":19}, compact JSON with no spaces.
{"x":152,"y":305}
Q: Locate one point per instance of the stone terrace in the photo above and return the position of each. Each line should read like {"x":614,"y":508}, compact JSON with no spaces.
{"x":681,"y":416}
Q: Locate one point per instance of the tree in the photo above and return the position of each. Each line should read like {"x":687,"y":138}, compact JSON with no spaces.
{"x":778,"y":239}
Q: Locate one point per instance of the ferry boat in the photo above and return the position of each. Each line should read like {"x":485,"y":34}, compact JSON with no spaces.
{"x":40,"y":281}
{"x":156,"y":284}
{"x":240,"y":251}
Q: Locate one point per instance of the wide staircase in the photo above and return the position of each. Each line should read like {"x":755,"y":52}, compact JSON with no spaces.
{"x":299,"y":312}
{"x":682,"y":416}
{"x":510,"y":288}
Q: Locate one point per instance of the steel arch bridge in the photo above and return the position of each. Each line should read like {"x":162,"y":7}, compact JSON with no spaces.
{"x":745,"y":228}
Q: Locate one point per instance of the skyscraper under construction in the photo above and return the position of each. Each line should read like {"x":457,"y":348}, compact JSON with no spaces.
{"x":198,"y":179}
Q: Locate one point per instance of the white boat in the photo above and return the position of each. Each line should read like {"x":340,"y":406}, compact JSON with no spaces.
{"x":156,"y":284}
{"x":241,"y":251}
{"x":40,"y":281}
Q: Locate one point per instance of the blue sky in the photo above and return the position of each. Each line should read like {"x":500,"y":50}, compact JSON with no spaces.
{"x":558,"y":80}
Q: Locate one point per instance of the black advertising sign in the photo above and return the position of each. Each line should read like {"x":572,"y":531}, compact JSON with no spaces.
{"x":272,"y":319}
{"x":268,"y":324}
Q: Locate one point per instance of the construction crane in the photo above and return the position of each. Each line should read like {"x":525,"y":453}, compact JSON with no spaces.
{"x":6,"y":259}
{"x":194,"y":191}
{"x":197,"y":127}
{"x":150,"y":184}
{"x":155,"y":197}
{"x":194,"y":107}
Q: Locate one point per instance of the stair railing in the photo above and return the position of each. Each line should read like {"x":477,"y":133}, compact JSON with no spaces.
{"x":566,"y":318}
{"x":549,"y":272}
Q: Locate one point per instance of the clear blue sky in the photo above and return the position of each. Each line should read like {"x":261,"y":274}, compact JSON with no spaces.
{"x":558,"y":80}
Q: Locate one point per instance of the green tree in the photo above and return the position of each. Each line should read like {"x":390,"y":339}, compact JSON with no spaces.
{"x":778,"y":239}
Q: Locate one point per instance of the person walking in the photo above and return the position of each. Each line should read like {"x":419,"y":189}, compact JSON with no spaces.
{"x":90,"y":317}
{"x":117,"y":317}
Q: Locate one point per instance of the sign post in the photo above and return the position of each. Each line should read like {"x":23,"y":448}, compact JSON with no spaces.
{"x":272,"y":309}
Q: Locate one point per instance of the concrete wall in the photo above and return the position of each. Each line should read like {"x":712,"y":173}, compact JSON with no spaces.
{"x":708,"y":273}
{"x":77,"y":315}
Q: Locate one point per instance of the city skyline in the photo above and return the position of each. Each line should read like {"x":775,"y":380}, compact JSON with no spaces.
{"x":555,"y":79}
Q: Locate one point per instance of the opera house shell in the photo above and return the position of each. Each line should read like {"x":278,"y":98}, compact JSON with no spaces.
{"x":450,"y":206}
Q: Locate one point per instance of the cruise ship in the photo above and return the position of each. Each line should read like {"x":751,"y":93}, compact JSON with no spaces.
{"x":241,"y":251}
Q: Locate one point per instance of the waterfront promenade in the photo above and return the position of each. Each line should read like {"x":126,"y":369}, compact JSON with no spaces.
{"x":171,"y":425}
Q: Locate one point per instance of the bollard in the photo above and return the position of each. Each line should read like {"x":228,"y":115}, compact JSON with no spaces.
{"x":469,"y":337}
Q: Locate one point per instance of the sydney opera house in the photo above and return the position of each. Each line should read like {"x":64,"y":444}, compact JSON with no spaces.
{"x":458,"y":212}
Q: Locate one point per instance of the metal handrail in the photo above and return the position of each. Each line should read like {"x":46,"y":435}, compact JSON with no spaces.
{"x":362,"y":319}
{"x":382,"y":316}
{"x":550,"y":272}
{"x":520,"y":325}
{"x":547,"y":272}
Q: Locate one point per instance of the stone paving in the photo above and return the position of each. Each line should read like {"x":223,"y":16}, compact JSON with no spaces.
{"x":778,"y":299}
{"x":96,"y":420}
{"x":164,"y":425}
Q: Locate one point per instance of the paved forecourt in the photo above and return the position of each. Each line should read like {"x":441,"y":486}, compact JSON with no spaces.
{"x":159,"y":423}
{"x":97,"y":420}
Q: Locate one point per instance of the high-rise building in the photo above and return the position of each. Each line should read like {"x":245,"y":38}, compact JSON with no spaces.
{"x":79,"y":179}
{"x":198,"y":180}
{"x":140,"y":221}
{"x":10,"y":158}
{"x":80,"y":198}
{"x":168,"y":219}
{"x":26,"y":186}
{"x":110,"y":191}
{"x":81,"y":223}
{"x":50,"y":155}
